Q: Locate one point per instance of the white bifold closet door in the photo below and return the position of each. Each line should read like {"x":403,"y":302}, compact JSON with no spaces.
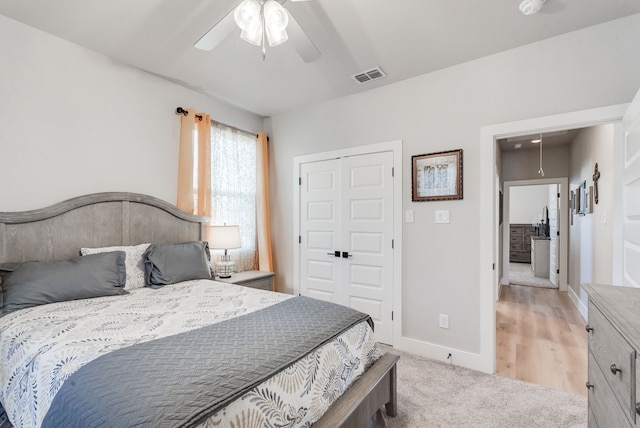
{"x":346,"y":230}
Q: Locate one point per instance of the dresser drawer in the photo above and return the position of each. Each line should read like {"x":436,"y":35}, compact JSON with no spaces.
{"x":603,"y":406}
{"x":615,"y":357}
{"x":516,"y":246}
{"x":516,"y":239}
{"x":520,"y":256}
{"x":262,"y":284}
{"x":515,"y":230}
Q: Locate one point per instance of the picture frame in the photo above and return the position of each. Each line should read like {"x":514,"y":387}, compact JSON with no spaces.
{"x":572,"y":204}
{"x":588,"y":201}
{"x":436,"y":176}
{"x":581,"y":199}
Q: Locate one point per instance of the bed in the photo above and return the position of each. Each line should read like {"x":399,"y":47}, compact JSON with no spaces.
{"x":94,"y":361}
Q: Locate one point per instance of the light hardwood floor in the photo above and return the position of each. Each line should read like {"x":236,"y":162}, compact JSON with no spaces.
{"x":540,"y":338}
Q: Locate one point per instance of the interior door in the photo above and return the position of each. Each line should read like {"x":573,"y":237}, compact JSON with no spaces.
{"x":320,"y":230}
{"x":367,"y":235}
{"x":346,"y":229}
{"x":631,"y":194}
{"x":554,"y":238}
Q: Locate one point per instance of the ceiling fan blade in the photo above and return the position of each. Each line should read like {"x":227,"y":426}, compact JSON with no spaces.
{"x":217,"y":33}
{"x":301,"y":42}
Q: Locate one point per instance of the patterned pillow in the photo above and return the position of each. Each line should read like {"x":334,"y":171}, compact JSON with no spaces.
{"x":133,"y":262}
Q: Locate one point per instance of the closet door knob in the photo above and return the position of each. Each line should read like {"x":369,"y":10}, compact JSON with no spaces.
{"x":589,"y":385}
{"x":334,"y":254}
{"x":614,"y":369}
{"x":589,"y":329}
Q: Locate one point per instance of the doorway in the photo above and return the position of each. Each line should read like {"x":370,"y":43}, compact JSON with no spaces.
{"x":544,"y":225}
{"x":489,"y":238}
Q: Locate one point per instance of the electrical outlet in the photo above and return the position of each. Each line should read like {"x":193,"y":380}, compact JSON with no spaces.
{"x":444,"y":321}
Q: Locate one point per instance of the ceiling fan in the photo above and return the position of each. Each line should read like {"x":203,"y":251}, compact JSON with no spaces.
{"x":261,"y":22}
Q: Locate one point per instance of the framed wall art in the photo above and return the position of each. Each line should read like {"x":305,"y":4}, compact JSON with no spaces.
{"x":437,"y":176}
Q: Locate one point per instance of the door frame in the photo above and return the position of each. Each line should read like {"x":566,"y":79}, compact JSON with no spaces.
{"x":563,"y":226}
{"x":488,"y":218}
{"x":396,"y":148}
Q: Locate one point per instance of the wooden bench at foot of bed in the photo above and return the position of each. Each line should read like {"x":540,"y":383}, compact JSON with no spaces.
{"x":376,"y":388}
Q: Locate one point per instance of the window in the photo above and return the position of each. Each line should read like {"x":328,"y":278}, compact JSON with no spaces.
{"x":233,"y":188}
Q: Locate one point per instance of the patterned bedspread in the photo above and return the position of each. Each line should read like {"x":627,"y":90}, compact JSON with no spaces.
{"x":41,"y":347}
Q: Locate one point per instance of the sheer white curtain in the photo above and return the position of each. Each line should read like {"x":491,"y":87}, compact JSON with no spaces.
{"x":233,"y":188}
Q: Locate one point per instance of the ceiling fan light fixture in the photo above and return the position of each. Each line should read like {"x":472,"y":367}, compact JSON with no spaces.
{"x":275,"y":16}
{"x":276,"y":38}
{"x":247,"y":15}
{"x":254,"y":37}
{"x":276,"y":20}
{"x":529,"y":7}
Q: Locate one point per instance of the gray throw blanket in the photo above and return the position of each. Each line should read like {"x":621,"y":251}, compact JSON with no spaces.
{"x":179,"y":381}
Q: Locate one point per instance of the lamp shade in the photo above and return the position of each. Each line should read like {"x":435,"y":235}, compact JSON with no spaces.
{"x":224,"y":237}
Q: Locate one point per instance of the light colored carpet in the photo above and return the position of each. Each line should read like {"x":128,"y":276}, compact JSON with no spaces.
{"x":432,"y":394}
{"x":521,"y":274}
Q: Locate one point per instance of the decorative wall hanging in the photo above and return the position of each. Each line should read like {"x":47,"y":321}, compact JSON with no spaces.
{"x":437,"y":176}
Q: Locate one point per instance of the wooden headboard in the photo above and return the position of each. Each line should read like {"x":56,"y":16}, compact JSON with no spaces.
{"x":97,"y":220}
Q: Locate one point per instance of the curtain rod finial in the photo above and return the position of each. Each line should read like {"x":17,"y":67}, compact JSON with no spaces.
{"x":180,"y":110}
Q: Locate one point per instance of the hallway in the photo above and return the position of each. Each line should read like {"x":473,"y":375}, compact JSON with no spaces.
{"x":540,"y":338}
{"x":521,"y":274}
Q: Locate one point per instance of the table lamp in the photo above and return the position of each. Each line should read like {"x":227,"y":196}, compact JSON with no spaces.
{"x":224,"y":238}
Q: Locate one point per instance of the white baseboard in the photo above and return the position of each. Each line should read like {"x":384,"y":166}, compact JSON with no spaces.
{"x":582,"y":308}
{"x":440,"y":353}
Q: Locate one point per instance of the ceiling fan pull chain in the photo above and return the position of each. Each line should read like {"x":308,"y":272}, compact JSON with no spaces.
{"x":541,"y":171}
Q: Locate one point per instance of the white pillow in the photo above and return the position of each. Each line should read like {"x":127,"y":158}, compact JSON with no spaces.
{"x":134,"y":264}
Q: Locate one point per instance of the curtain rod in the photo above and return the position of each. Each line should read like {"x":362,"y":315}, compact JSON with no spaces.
{"x":182,"y":111}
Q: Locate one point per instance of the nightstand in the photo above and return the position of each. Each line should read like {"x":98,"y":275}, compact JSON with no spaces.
{"x":251,"y":278}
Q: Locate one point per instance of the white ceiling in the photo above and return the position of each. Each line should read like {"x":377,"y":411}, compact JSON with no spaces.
{"x":549,"y":139}
{"x":405,"y":38}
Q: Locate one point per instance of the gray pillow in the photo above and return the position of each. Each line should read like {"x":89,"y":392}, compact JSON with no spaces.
{"x":37,"y":283}
{"x":170,"y":263}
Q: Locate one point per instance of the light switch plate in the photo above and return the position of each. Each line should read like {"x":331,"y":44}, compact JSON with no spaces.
{"x":442,"y":216}
{"x":408,"y":216}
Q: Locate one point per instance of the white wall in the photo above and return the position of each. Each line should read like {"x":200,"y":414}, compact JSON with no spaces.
{"x":441,"y":111}
{"x":590,"y":237}
{"x":74,"y":122}
{"x":527,"y":202}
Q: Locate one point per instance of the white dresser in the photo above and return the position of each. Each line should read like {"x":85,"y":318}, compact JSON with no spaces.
{"x":540,"y":257}
{"x":614,"y":341}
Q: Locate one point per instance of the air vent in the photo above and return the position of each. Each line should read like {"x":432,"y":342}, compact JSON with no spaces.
{"x":368,"y":76}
